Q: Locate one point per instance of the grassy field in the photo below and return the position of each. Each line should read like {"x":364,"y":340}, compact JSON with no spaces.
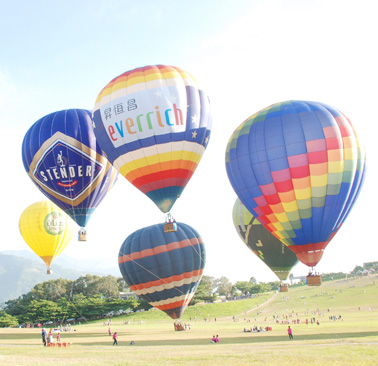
{"x":352,"y":339}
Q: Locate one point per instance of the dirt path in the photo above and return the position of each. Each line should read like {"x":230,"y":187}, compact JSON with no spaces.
{"x":255,"y":308}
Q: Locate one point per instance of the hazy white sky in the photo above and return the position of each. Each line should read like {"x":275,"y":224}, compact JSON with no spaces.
{"x":246,"y":54}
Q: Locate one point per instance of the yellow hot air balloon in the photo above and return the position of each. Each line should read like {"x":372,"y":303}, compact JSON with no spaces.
{"x":46,"y":229}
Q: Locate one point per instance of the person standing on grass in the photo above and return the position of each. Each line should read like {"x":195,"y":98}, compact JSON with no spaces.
{"x":44,"y":337}
{"x":50,"y":339}
{"x":109,"y":331}
{"x":115,"y":339}
{"x":290,"y":332}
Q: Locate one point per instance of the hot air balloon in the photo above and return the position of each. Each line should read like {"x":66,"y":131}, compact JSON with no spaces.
{"x":61,"y":155}
{"x":154,"y":124}
{"x":276,"y":255}
{"x":46,"y":229}
{"x":163,"y":268}
{"x":298,"y":167}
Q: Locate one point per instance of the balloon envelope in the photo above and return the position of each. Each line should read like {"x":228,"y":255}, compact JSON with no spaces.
{"x":61,"y":155}
{"x":276,"y":255}
{"x":46,"y":229}
{"x":154,"y":125}
{"x":165,"y":269}
{"x":298,"y":168}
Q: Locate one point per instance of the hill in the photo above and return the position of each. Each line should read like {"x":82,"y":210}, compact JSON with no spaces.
{"x":345,"y":336}
{"x":19,"y":274}
{"x":103,"y":266}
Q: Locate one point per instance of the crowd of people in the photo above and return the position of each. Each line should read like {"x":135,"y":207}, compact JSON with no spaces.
{"x":256,"y":329}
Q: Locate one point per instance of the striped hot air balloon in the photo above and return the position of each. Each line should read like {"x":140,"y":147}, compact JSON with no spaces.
{"x":154,"y":124}
{"x":298,"y":167}
{"x":165,"y":269}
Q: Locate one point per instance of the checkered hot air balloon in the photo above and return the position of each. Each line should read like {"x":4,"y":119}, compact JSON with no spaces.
{"x":165,"y":269}
{"x":298,"y":167}
{"x":154,"y":124}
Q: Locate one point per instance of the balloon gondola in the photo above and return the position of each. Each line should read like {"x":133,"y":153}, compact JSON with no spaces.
{"x":46,"y":229}
{"x":313,"y":279}
{"x":298,"y":167}
{"x":82,"y":234}
{"x":170,"y":224}
{"x":164,"y":269}
{"x":284,"y":287}
{"x":61,"y":155}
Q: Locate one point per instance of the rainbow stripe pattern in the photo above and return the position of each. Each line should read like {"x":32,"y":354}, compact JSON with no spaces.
{"x":165,"y":269}
{"x":298,"y":167}
{"x":154,"y":123}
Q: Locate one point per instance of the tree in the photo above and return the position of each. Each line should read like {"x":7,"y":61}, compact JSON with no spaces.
{"x":252,"y":280}
{"x":224,"y":287}
{"x":205,"y":290}
{"x":243,"y":286}
{"x":106,"y":286}
{"x":52,"y":290}
{"x":356,"y":270}
{"x":122,"y":285}
{"x":7,"y":320}
{"x":259,"y":288}
{"x":42,"y":310}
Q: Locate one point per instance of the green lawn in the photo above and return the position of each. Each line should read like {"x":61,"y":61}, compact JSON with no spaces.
{"x":351,"y":340}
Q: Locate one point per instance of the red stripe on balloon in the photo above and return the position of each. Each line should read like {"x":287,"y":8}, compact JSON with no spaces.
{"x":300,"y":172}
{"x":166,"y":174}
{"x":285,"y":186}
{"x":176,"y":304}
{"x":167,"y":280}
{"x":317,"y":157}
{"x":159,"y":249}
{"x":273,"y":199}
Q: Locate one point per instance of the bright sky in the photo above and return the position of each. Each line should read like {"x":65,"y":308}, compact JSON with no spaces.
{"x":246,"y":54}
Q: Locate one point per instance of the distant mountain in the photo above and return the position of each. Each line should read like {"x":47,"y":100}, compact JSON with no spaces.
{"x":20,"y":272}
{"x":102,"y":266}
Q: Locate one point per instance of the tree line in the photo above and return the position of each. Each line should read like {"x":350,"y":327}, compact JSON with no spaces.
{"x":95,"y":297}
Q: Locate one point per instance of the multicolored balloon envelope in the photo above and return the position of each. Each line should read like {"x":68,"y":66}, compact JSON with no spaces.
{"x":154,"y":125}
{"x":46,"y":229}
{"x":276,"y":255}
{"x":165,"y":269}
{"x":61,"y":155}
{"x":298,"y":168}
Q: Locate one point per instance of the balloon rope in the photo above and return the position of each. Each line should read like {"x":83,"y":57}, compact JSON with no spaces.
{"x":196,"y":251}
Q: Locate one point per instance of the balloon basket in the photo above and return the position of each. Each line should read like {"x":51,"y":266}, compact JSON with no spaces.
{"x":284,"y":288}
{"x":314,"y":280}
{"x":82,"y":235}
{"x":179,"y":327}
{"x":170,"y":227}
{"x":49,"y":270}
